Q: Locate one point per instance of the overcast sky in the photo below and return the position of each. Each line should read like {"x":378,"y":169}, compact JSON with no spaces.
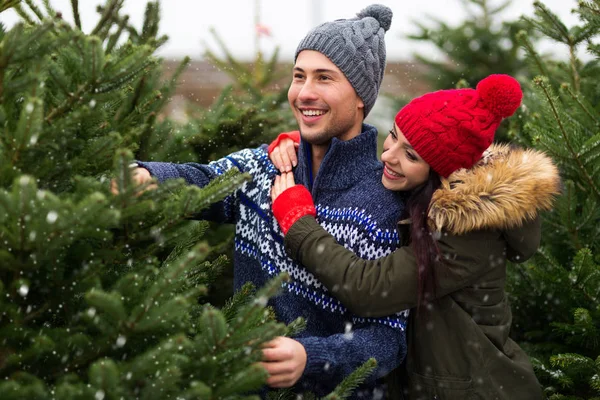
{"x":187,"y":22}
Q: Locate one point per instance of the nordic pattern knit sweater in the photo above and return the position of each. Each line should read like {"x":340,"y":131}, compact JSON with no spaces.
{"x":356,"y":209}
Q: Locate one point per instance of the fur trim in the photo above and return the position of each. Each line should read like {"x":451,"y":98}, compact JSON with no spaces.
{"x":505,"y":188}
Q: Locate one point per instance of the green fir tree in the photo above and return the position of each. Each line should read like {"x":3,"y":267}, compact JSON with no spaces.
{"x":101,"y":295}
{"x":556,"y":296}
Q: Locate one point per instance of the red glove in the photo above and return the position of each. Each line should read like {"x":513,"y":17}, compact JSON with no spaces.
{"x":291,"y":205}
{"x":294,"y":135}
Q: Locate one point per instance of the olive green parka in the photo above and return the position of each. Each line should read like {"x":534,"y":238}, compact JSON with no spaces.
{"x":458,"y":345}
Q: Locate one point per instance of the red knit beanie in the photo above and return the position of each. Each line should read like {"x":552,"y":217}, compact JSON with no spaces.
{"x":450,"y":129}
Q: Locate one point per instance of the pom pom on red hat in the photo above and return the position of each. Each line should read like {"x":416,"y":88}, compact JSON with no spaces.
{"x":501,"y":94}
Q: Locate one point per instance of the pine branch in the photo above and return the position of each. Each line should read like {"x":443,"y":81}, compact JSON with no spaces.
{"x":35,"y":9}
{"x":133,"y":102}
{"x":570,"y":198}
{"x":577,"y":98}
{"x":56,"y":73}
{"x":528,"y":46}
{"x":76,"y":17}
{"x":26,"y":17}
{"x":214,"y":322}
{"x":542,"y":83}
{"x":114,"y":38}
{"x":128,"y":69}
{"x":151,"y":18}
{"x":20,"y":51}
{"x":260,"y":300}
{"x":164,"y":285}
{"x":245,"y":381}
{"x":589,"y":11}
{"x":571,"y":359}
{"x":49,"y":10}
{"x":586,"y":275}
{"x":240,"y":298}
{"x":67,"y":104}
{"x":113,"y":8}
{"x":549,"y":20}
{"x":29,"y":124}
{"x":6,"y":4}
{"x":352,"y":381}
{"x":573,"y":63}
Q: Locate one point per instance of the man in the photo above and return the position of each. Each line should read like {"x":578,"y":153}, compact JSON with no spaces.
{"x":338,"y":71}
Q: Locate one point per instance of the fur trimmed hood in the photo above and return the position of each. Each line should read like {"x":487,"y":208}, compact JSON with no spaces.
{"x":506,"y":187}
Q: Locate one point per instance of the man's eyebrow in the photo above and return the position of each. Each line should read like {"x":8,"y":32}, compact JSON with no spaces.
{"x":326,"y":71}
{"x":319,"y":70}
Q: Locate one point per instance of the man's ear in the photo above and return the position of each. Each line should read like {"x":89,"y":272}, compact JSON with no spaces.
{"x":360,"y":105}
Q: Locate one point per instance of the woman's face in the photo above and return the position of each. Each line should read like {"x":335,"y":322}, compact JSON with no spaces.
{"x":403,"y":168}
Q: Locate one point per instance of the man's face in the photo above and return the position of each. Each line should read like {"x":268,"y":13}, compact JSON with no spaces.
{"x":324,"y":103}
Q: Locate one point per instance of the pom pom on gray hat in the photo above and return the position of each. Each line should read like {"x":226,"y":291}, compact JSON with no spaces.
{"x":382,"y":14}
{"x":357,"y":47}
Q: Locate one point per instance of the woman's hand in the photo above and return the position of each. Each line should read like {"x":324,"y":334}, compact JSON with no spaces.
{"x":290,"y":201}
{"x":282,"y":151}
{"x":281,"y":184}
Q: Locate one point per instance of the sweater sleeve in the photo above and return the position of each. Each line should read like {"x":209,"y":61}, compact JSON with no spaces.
{"x":331,"y":359}
{"x":249,"y":160}
{"x":381,"y":287}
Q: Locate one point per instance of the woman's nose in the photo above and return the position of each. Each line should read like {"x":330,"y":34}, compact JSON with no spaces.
{"x":385,"y":156}
{"x":389,"y":155}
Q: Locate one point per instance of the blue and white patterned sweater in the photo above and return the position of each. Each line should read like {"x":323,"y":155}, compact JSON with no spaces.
{"x":356,"y":209}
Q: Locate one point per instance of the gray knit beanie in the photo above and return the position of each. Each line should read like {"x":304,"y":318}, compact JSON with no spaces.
{"x":356,"y":46}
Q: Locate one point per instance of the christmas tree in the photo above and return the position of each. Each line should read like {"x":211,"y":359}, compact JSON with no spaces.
{"x":555,"y":297}
{"x":100,"y":293}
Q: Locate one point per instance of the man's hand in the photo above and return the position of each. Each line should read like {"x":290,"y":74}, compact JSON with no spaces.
{"x":285,"y":360}
{"x":140,"y":176}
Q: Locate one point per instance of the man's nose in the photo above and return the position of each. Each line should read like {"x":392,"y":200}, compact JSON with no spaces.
{"x":308,"y":91}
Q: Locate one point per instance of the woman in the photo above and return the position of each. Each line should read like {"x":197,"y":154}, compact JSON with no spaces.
{"x":471,"y":208}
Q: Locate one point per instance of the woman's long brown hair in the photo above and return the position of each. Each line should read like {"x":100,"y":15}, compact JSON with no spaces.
{"x":422,"y":239}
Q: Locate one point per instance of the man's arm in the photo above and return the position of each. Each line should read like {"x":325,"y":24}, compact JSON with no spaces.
{"x":247,"y":160}
{"x":331,"y":359}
